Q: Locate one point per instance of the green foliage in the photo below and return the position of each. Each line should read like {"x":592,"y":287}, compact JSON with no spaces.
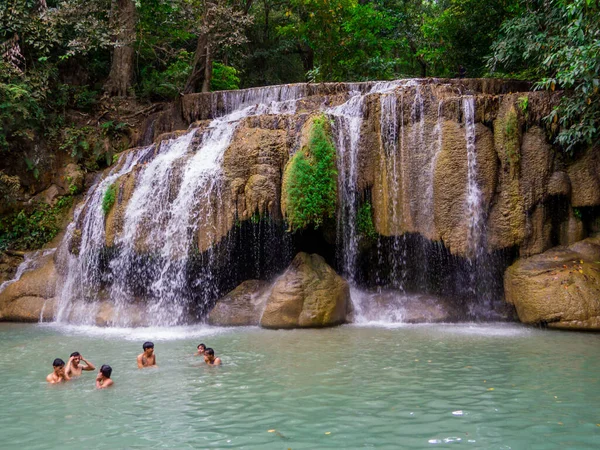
{"x":9,"y":188}
{"x":364,"y":221}
{"x":20,"y":113}
{"x":577,"y":213}
{"x":224,"y":78}
{"x":559,"y":42}
{"x":110,"y":196}
{"x":169,"y":83}
{"x":31,"y":230}
{"x":311,"y":180}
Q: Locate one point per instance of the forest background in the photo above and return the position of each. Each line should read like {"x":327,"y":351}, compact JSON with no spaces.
{"x":75,"y":73}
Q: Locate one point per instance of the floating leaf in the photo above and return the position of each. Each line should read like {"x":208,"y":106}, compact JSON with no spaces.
{"x":271,"y":431}
{"x":328,"y":432}
{"x":490,"y":389}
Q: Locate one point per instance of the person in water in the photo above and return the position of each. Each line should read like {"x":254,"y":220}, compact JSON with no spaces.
{"x":58,"y":375}
{"x":210,"y":359}
{"x":201,"y":348}
{"x":103,"y":379}
{"x":148,"y":358}
{"x":74,"y":368}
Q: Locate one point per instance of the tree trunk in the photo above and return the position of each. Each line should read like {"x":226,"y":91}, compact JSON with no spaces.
{"x":202,"y":65}
{"x":123,"y":17}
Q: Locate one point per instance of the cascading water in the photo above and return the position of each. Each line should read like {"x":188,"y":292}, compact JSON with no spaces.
{"x":166,"y":254}
{"x":173,"y":197}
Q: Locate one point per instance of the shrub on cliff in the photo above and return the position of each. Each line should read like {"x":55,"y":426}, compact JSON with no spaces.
{"x":310,"y":180}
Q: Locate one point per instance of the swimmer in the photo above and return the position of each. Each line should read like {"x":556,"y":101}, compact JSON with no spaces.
{"x":209,"y":358}
{"x":58,"y":375}
{"x":201,"y":348}
{"x":103,"y":379}
{"x":148,"y":358}
{"x":74,"y":369}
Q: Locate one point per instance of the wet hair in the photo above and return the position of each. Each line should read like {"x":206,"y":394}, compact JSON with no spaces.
{"x":58,"y":362}
{"x":201,"y":345}
{"x":106,"y":370}
{"x":148,"y":344}
{"x":209,"y":351}
{"x":75,"y":354}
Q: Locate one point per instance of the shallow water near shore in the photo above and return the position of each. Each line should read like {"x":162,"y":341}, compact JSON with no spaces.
{"x":496,"y":386}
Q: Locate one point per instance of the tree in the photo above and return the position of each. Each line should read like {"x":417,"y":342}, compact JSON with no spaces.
{"x":221,"y":28}
{"x":123,"y":18}
{"x":558,"y":43}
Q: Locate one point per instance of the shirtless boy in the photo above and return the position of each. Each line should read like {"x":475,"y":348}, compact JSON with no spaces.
{"x":148,"y":358}
{"x":58,"y":375}
{"x":201,"y":348}
{"x":103,"y":379}
{"x":74,"y":368}
{"x":209,"y":358}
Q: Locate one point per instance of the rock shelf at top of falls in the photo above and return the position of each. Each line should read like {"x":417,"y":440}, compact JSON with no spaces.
{"x":441,"y":185}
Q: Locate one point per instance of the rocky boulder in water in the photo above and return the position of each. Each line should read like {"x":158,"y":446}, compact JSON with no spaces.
{"x":242,"y":306}
{"x":32,"y":296}
{"x":560,"y":287}
{"x":309,"y":294}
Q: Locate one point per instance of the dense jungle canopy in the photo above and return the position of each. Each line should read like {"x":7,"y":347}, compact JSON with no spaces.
{"x":62,"y":62}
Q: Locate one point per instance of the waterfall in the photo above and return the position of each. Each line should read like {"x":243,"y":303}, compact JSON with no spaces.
{"x":176,"y":188}
{"x":174,"y":240}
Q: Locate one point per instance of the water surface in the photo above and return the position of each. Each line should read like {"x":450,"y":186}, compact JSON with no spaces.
{"x":422,"y":386}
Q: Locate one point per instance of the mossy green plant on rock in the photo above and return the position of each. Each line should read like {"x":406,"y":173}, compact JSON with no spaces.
{"x":364,"y":219}
{"x":110,"y":196}
{"x":310,"y":180}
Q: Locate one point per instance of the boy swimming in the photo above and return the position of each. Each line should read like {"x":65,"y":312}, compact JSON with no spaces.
{"x":210,"y":359}
{"x":74,"y":369}
{"x":103,"y":379}
{"x":148,"y":358}
{"x":58,"y":375}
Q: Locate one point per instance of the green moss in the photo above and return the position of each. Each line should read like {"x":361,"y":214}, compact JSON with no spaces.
{"x":310,"y":185}
{"x":31,"y":230}
{"x":364,"y":219}
{"x":109,"y":198}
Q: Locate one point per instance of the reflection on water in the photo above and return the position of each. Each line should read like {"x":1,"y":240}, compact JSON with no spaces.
{"x":419,"y":386}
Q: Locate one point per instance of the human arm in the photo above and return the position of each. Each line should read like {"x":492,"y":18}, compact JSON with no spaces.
{"x":139,"y":362}
{"x":217,"y":362}
{"x":50,"y":378}
{"x":88,"y":365}
{"x":68,"y":367}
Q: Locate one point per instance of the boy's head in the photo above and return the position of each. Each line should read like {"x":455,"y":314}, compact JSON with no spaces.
{"x":59,"y":365}
{"x":76,"y":357}
{"x":148,"y":347}
{"x":209,"y":354}
{"x":201,"y":348}
{"x":106,"y":370}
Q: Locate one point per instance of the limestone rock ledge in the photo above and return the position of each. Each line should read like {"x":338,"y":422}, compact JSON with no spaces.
{"x":32,"y":296}
{"x":560,"y":287}
{"x":309,"y":294}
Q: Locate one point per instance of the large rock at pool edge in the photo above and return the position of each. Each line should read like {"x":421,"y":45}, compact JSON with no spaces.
{"x":309,"y":294}
{"x":560,"y":287}
{"x":32,"y":296}
{"x":241,"y":307}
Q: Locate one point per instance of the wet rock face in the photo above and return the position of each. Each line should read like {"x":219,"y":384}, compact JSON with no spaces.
{"x":560,"y":287}
{"x":241,"y":307}
{"x":32,"y":296}
{"x":308,"y":294}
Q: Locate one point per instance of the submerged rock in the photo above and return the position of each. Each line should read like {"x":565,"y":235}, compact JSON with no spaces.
{"x":560,"y":288}
{"x":309,"y":294}
{"x":242,"y":306}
